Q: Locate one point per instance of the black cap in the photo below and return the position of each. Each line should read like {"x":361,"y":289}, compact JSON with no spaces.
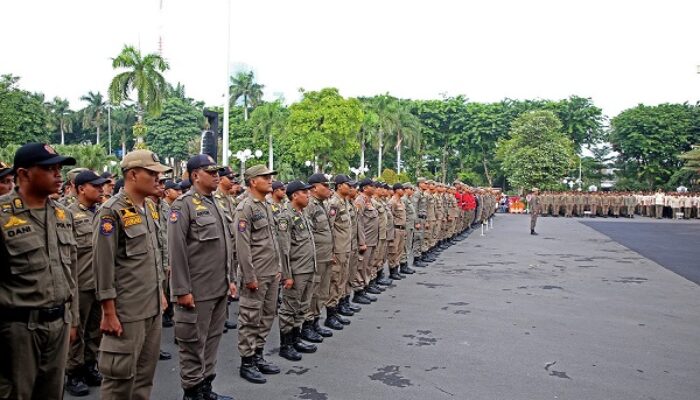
{"x":89,"y":177}
{"x":172,"y":185}
{"x":341,"y":178}
{"x":118,"y":185}
{"x":366,"y":182}
{"x":202,"y":161}
{"x":185,"y":185}
{"x":318,"y":178}
{"x":295,"y":186}
{"x":5,"y":169}
{"x":226,"y":172}
{"x":107,"y":175}
{"x":277,"y":185}
{"x":397,"y":186}
{"x":32,"y":154}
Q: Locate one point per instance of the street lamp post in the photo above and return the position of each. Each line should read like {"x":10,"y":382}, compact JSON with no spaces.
{"x":244,"y":156}
{"x":109,"y":128}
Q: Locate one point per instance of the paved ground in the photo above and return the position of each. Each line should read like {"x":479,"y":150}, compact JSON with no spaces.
{"x":568,"y":314}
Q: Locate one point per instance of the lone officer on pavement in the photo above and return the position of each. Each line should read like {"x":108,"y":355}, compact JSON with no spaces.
{"x":37,"y":290}
{"x":126,"y":263}
{"x":199,"y":239}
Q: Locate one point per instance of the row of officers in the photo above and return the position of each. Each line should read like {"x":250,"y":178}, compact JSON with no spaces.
{"x":84,"y":287}
{"x":620,"y":204}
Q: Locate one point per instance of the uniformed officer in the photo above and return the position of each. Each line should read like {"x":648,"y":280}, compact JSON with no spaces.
{"x":227,"y":201}
{"x":7,"y":179}
{"x":81,"y":370}
{"x":38,"y":294}
{"x":355,"y":250}
{"x":534,"y":205}
{"x":397,"y":246}
{"x":70,"y":193}
{"x":341,"y":228}
{"x":160,"y":210}
{"x":199,"y":238}
{"x":277,"y":199}
{"x":323,"y":238}
{"x":127,"y":263}
{"x":407,"y":253}
{"x":368,"y":237}
{"x":260,"y":270}
{"x":298,"y":268}
{"x":420,"y":203}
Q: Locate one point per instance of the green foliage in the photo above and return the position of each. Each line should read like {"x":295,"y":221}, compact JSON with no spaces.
{"x":170,"y":133}
{"x":23,"y":117}
{"x":389,"y":176}
{"x":650,"y":139}
{"x":323,"y":125}
{"x":7,"y":153}
{"x":142,"y":74}
{"x":243,"y":87}
{"x":537,"y":153}
{"x":87,"y":156}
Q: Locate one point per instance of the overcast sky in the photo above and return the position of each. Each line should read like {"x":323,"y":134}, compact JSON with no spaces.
{"x":620,"y":53}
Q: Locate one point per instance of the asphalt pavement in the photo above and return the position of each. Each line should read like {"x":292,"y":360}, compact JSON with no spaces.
{"x":568,"y":314}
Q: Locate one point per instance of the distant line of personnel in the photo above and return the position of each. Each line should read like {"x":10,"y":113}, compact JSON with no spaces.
{"x":107,"y":266}
{"x":620,"y":204}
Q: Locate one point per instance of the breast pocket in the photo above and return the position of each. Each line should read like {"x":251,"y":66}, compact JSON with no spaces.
{"x":136,"y":240}
{"x":66,"y":241}
{"x":259,"y":233}
{"x":26,"y":254}
{"x":205,"y":228}
{"x":83,"y":234}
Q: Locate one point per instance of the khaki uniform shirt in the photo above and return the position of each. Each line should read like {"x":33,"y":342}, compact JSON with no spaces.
{"x":83,"y":219}
{"x":39,"y":256}
{"x":430,"y":206}
{"x":420,"y":202}
{"x":199,"y":236}
{"x":323,"y":236}
{"x":367,"y":221}
{"x":381,"y":211}
{"x":296,"y":243}
{"x":126,"y":258}
{"x":398,"y":211}
{"x":411,"y":216}
{"x":256,"y":240}
{"x":341,"y":225}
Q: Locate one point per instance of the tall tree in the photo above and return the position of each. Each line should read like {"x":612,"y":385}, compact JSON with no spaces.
{"x":243,"y":86}
{"x":384,"y":106}
{"x":537,"y":153}
{"x":142,"y":74}
{"x":170,"y":133}
{"x":406,"y":131}
{"x":94,"y":113}
{"x":323,"y":127}
{"x":268,"y":121}
{"x":61,"y":117}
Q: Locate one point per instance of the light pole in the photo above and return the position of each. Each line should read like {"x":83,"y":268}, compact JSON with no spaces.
{"x":225,"y":150}
{"x":109,"y":127}
{"x":358,"y":171}
{"x":244,"y":156}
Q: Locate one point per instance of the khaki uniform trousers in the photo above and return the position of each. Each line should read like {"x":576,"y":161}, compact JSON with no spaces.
{"x":378,"y":258}
{"x":407,"y":253}
{"x":84,"y":350}
{"x":353,"y":270}
{"x":296,"y":302}
{"x":198,"y":332}
{"x":322,"y":283}
{"x":396,"y":247}
{"x":33,"y":359}
{"x":364,"y":269}
{"x":419,"y":239}
{"x":128,"y":363}
{"x":340,"y":269}
{"x":256,"y":313}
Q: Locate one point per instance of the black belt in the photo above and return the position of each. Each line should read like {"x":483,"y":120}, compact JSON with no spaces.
{"x":399,"y":227}
{"x":422,"y":216}
{"x":23,"y":314}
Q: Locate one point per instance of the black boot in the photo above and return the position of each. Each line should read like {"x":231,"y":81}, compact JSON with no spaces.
{"x":382,"y":279}
{"x":321,"y":330}
{"x":394,"y":274}
{"x":208,"y":393}
{"x":250,"y":372}
{"x":75,"y":384}
{"x":372,"y":288}
{"x":299,"y":345}
{"x":263,"y":365}
{"x":375,"y":285}
{"x":167,"y":321}
{"x":344,"y":309}
{"x":369,"y":296}
{"x":532,"y":232}
{"x":331,"y":320}
{"x":355,"y":308}
{"x":164,"y":355}
{"x":359,"y":298}
{"x":340,"y":318}
{"x":194,"y":393}
{"x":405,"y":269}
{"x":287,"y":349}
{"x":230,"y":325}
{"x":309,"y":334}
{"x":91,"y":375}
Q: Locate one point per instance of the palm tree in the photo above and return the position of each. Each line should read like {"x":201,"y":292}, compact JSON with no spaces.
{"x":407,"y":131}
{"x":384,"y":106}
{"x":269,"y":120}
{"x":144,"y":75}
{"x":243,"y":85}
{"x":93,"y":114}
{"x":60,"y":112}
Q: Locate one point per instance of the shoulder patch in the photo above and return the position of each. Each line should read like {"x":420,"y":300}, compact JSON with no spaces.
{"x":106,"y":226}
{"x":283,"y":224}
{"x":242,"y":225}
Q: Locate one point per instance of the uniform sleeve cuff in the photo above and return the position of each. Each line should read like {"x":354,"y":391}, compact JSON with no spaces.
{"x":107,"y":294}
{"x":180,"y":291}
